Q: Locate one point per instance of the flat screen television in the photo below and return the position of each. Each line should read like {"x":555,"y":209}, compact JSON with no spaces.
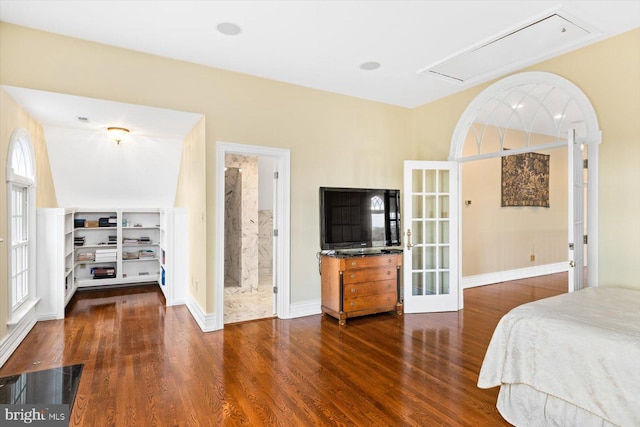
{"x":357,"y":218}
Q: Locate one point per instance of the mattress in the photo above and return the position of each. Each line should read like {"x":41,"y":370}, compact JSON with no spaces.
{"x":576,"y":354}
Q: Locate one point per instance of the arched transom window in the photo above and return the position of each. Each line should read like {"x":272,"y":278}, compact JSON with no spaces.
{"x":521,"y":113}
{"x":21,"y":209}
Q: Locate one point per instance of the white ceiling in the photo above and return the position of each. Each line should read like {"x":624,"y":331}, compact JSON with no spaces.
{"x":64,"y":111}
{"x":320,"y":44}
{"x":91,"y":171}
{"x":316,"y":44}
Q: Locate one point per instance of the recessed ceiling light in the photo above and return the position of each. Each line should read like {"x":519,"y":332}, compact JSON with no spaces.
{"x":370,"y":66}
{"x":517,"y":106}
{"x":229,"y":29}
{"x":558,"y":116}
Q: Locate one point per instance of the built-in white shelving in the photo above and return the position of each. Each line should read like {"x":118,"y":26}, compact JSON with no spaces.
{"x":84,"y":248}
{"x":55,"y":266}
{"x":132,"y":235}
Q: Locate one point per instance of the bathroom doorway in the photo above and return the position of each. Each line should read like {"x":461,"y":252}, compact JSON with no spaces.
{"x":248,"y":238}
{"x":252,"y":225}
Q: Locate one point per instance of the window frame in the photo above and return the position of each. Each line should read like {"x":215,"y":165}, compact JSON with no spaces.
{"x":20,"y":181}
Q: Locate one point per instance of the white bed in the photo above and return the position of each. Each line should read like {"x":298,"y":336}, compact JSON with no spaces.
{"x":568,"y":360}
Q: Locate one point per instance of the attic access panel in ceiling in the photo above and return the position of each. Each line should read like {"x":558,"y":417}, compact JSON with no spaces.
{"x":537,"y":40}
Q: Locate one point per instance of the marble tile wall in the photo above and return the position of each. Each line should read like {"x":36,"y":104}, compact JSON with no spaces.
{"x":232,"y":227}
{"x":265,"y":239}
{"x":248,"y":216}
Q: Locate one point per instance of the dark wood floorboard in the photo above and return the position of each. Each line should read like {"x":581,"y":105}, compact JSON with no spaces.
{"x":150,"y":365}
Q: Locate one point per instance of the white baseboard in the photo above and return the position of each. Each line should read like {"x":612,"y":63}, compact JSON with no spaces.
{"x":175,"y":302}
{"x":521,"y":273}
{"x":305,"y":308}
{"x":16,"y":334}
{"x":207,"y":322}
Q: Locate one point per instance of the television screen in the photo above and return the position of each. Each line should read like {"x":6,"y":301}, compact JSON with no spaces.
{"x":352,"y":218}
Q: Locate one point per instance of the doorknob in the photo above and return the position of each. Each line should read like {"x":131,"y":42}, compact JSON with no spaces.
{"x":572,"y":263}
{"x":409,"y":245}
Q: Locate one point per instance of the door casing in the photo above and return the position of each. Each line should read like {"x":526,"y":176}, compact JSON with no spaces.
{"x":281,"y":222}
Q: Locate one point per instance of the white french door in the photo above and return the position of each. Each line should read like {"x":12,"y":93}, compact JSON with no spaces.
{"x":576,"y":214}
{"x":430,"y":219}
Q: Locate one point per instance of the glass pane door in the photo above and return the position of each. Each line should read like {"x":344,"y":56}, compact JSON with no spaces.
{"x":576,"y":215}
{"x":430,"y":209}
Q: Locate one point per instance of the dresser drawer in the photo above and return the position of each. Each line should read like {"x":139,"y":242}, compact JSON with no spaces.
{"x":370,"y":288}
{"x":371,"y":261}
{"x":360,"y":285}
{"x":370,"y":274}
{"x":368,"y":302}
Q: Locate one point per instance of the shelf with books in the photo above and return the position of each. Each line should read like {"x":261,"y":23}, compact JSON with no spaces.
{"x":135,"y":227}
{"x":92,"y":273}
{"x":140,"y":260}
{"x":88,"y":262}
{"x":95,"y":219}
{"x":98,"y":246}
{"x":138,"y":244}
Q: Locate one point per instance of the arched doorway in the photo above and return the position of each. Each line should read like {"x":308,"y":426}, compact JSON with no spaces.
{"x":536,"y":111}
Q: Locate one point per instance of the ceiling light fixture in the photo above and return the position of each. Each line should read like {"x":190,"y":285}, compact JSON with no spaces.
{"x":117,"y":133}
{"x":229,"y":29}
{"x":370,"y":66}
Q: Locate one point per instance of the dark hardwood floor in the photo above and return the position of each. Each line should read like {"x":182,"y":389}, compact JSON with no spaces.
{"x":150,"y":365}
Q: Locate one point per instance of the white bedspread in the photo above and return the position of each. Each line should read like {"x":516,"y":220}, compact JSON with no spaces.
{"x":582,"y":347}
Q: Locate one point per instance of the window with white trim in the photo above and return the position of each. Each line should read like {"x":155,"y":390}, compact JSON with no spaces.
{"x":21,"y":215}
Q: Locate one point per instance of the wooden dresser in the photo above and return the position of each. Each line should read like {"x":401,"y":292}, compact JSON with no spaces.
{"x":356,"y":285}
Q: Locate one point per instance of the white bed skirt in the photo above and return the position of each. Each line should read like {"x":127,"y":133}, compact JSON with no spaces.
{"x":522,"y":405}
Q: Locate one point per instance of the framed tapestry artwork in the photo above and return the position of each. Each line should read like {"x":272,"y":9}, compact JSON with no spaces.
{"x":525,"y":180}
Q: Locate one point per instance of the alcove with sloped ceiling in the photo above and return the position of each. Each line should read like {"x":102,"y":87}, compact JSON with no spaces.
{"x":89,"y":169}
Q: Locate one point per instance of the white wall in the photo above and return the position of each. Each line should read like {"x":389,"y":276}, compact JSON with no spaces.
{"x":90,"y":170}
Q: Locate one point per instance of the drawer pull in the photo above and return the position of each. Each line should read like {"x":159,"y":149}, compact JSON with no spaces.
{"x":353,"y":275}
{"x":388,"y":299}
{"x":353,"y":303}
{"x":353,"y":290}
{"x":353,"y":263}
{"x":388,"y":272}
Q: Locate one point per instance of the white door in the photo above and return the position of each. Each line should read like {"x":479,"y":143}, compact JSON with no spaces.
{"x":576,"y":214}
{"x":430,"y":220}
{"x":274,"y":261}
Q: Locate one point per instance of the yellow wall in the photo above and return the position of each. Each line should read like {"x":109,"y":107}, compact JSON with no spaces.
{"x":191,"y":194}
{"x":12,"y":116}
{"x":608,"y":73}
{"x":334,"y":139}
{"x":497,"y":239}
{"x":500,"y":239}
